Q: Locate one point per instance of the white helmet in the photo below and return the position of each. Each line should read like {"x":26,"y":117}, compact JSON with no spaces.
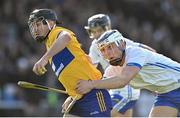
{"x":111,"y":36}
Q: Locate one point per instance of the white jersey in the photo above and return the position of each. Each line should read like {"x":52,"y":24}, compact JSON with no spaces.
{"x":158,"y":73}
{"x":96,"y":58}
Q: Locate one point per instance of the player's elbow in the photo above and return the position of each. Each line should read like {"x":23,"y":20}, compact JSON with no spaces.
{"x":122,"y":84}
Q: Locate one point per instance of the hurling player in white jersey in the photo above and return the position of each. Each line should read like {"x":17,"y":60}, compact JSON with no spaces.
{"x":141,"y":68}
{"x":125,"y":98}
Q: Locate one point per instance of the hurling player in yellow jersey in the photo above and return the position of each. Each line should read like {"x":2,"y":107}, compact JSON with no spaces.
{"x":69,"y":63}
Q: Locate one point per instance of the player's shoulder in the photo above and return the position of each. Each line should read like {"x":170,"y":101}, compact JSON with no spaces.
{"x":94,"y":42}
{"x":126,"y":39}
{"x":63,"y":29}
{"x":94,"y":45}
{"x":133,"y":50}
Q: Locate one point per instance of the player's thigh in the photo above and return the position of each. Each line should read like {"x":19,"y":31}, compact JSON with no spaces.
{"x":163,"y":111}
{"x":128,"y":113}
{"x":115,"y":113}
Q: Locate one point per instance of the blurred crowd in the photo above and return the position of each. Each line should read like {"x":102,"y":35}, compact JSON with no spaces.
{"x":154,"y":23}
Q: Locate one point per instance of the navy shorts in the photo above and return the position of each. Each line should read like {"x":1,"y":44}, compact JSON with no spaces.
{"x":122,"y":104}
{"x":96,"y":103}
{"x":171,"y":99}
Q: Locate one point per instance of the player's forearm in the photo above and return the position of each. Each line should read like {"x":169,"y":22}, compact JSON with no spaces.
{"x":59,"y":44}
{"x":118,"y":81}
{"x":110,"y":83}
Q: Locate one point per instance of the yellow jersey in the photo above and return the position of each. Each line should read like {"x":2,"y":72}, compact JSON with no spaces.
{"x":71,"y":64}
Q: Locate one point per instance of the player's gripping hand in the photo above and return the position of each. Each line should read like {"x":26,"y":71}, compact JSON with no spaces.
{"x":84,"y":86}
{"x":39,"y":67}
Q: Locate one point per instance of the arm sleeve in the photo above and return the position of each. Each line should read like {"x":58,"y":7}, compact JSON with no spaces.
{"x":136,"y":57}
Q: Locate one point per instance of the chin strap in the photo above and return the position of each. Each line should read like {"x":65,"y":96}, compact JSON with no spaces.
{"x":50,"y":28}
{"x":118,"y":61}
{"x":123,"y":56}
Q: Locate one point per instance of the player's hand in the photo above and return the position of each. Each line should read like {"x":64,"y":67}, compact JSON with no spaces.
{"x":84,"y":86}
{"x":39,"y":67}
{"x":66,"y":104}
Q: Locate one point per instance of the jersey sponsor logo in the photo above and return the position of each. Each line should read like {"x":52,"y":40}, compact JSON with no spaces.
{"x":61,"y":60}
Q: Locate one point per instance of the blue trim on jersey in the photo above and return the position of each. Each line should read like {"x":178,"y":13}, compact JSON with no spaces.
{"x":151,"y":64}
{"x":174,"y":68}
{"x":161,"y":65}
{"x":134,"y":64}
{"x":61,"y":60}
{"x":178,"y":68}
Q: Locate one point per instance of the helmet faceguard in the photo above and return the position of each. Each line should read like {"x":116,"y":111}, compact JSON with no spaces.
{"x":37,"y":21}
{"x":99,"y":20}
{"x":109,"y":38}
{"x":34,"y":28}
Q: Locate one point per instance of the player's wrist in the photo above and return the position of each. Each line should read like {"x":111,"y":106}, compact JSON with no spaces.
{"x":91,"y":83}
{"x":46,"y":56}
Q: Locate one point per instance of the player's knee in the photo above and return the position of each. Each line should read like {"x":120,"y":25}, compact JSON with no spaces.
{"x":163,"y":111}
